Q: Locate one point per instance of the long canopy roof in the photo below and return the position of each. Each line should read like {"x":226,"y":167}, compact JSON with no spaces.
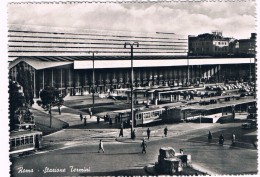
{"x":40,"y":41}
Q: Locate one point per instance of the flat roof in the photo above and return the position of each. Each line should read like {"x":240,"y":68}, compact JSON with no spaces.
{"x":19,"y":133}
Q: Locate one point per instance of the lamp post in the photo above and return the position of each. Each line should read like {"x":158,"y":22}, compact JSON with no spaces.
{"x":132,"y":83}
{"x":250,"y":72}
{"x":188,"y":65}
{"x":93,"y":78}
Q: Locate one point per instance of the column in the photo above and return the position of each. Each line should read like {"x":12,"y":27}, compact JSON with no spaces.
{"x":171,"y":98}
{"x":128,"y":97}
{"x":147,"y":98}
{"x":34,"y":84}
{"x":52,"y":77}
{"x":42,"y":79}
{"x":61,"y":79}
{"x":151,"y":95}
{"x":178,"y":97}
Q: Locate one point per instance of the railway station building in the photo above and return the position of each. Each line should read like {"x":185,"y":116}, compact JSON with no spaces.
{"x":67,"y":58}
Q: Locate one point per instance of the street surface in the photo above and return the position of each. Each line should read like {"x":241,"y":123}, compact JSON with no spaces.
{"x":120,"y":157}
{"x":72,"y":150}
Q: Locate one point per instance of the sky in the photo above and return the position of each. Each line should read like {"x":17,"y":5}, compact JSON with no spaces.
{"x":235,"y":19}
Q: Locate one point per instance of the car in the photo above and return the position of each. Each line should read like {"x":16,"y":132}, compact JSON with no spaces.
{"x":249,"y":125}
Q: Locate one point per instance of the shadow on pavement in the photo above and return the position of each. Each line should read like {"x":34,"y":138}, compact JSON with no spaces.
{"x":132,"y":153}
{"x":94,"y":125}
{"x":127,"y":172}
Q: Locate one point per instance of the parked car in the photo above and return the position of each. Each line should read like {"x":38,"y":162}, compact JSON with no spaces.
{"x":250,"y":124}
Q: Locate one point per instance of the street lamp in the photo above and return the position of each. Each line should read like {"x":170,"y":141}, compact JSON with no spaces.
{"x":188,"y":65}
{"x":132,"y":78}
{"x":93,"y":77}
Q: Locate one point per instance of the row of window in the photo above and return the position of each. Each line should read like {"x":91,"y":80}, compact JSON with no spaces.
{"x":222,"y":49}
{"x":147,"y":115}
{"x":208,"y":43}
{"x":207,"y":49}
{"x":21,"y":141}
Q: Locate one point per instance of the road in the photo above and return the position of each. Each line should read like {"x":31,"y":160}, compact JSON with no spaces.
{"x":120,"y":157}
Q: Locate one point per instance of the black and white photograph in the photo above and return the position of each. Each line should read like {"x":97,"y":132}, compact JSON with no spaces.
{"x":131,"y":88}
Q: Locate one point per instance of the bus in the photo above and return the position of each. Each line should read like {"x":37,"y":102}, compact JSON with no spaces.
{"x":23,"y":141}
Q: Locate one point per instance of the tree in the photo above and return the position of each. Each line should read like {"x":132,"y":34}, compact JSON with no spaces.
{"x":24,"y":78}
{"x":49,"y":98}
{"x":16,"y":100}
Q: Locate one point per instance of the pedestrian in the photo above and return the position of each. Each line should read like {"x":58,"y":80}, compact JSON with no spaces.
{"x":144,"y":146}
{"x":221,"y":139}
{"x":133,"y":134}
{"x":121,"y":132}
{"x":85,"y":121}
{"x":101,"y":146}
{"x":90,"y":113}
{"x":59,"y":110}
{"x":148,"y":133}
{"x":98,"y":119}
{"x":165,"y":131}
{"x":81,"y":116}
{"x":210,"y":136}
{"x":233,"y":138}
{"x":110,"y":122}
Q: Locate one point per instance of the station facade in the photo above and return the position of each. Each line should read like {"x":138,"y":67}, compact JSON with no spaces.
{"x":67,"y":59}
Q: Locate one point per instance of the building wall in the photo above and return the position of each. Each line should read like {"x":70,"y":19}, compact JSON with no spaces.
{"x":218,"y":46}
{"x":108,"y":79}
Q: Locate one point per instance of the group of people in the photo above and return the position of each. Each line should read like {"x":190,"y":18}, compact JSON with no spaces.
{"x":81,"y":118}
{"x":221,"y":138}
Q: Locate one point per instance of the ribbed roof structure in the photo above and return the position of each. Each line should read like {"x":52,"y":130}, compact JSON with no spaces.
{"x":64,"y":44}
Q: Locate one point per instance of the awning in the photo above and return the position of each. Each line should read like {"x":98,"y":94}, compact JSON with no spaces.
{"x":36,"y":64}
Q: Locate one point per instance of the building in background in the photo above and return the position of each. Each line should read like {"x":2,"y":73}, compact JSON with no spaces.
{"x":215,"y":45}
{"x":63,"y":58}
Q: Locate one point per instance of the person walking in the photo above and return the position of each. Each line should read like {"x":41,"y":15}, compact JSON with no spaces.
{"x":101,"y":146}
{"x":210,"y":136}
{"x":85,"y":121}
{"x":221,"y":139}
{"x":148,"y":133}
{"x":165,"y":131}
{"x":81,"y":116}
{"x":121,"y":132}
{"x":144,"y":146}
{"x":110,"y":121}
{"x":134,"y":134}
{"x":233,"y":138}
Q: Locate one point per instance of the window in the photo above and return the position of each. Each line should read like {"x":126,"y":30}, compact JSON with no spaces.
{"x":157,"y":113}
{"x":22,"y":141}
{"x":17,"y":141}
{"x":26,"y":140}
{"x":31,"y":139}
{"x":12,"y":142}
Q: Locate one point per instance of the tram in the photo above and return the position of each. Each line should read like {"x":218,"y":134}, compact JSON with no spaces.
{"x":23,"y":141}
{"x":146,"y":116}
